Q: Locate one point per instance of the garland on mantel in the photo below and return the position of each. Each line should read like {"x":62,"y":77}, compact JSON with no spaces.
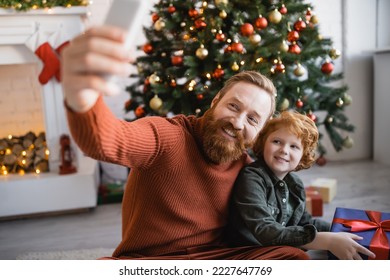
{"x":25,"y":5}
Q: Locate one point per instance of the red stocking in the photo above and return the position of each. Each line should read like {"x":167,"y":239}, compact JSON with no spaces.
{"x":50,"y":61}
{"x":59,"y":50}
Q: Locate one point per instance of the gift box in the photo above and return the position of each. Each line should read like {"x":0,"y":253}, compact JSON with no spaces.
{"x":110,"y":193}
{"x":373,"y":226}
{"x":326,"y":186}
{"x":314,"y":201}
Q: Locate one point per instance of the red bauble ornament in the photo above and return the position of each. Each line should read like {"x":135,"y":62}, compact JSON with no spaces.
{"x":321,"y":161}
{"x":308,"y":14}
{"x":155,"y":17}
{"x":312,"y":116}
{"x":280,"y":68}
{"x":218,"y":73}
{"x":261,"y":22}
{"x":171,"y":9}
{"x":199,"y":96}
{"x":327,"y":68}
{"x":128,"y":103}
{"x":193,"y":13}
{"x":177,"y":60}
{"x":139,"y":112}
{"x":147,"y":48}
{"x":172,"y":83}
{"x":292,"y":36}
{"x":228,"y":49}
{"x":294,"y":48}
{"x":237,"y":47}
{"x":247,"y":29}
{"x":283,"y":9}
{"x":200,"y":24}
{"x":299,"y":25}
{"x":220,"y":37}
{"x":299,"y":103}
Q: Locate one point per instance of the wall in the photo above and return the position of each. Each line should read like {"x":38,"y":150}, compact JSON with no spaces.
{"x":20,"y":103}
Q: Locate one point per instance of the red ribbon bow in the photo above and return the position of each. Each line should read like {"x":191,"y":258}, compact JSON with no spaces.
{"x":379,"y":243}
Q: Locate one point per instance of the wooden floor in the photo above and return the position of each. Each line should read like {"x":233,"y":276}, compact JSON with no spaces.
{"x":361,"y":184}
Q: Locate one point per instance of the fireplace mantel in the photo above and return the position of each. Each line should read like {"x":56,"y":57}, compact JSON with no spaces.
{"x":45,"y":192}
{"x":17,"y":27}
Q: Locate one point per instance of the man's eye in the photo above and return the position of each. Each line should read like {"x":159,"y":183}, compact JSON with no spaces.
{"x":253,"y":120}
{"x":233,"y":106}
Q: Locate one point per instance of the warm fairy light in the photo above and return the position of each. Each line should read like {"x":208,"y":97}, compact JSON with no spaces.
{"x":10,"y":137}
{"x":242,"y":63}
{"x":4,"y":170}
{"x":34,"y":7}
{"x":260,"y":59}
{"x":47,"y":152}
{"x":208,"y":76}
{"x":21,"y":172}
{"x":24,"y":153}
{"x":8,"y":151}
{"x":37,"y":171}
{"x":23,"y":161}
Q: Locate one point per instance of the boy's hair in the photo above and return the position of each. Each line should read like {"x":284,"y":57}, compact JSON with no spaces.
{"x":301,"y":126}
{"x":255,"y":78}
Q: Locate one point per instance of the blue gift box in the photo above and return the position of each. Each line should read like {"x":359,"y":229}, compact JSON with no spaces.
{"x":373,"y":226}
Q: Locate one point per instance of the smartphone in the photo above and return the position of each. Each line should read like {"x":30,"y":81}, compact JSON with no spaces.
{"x":128,"y":15}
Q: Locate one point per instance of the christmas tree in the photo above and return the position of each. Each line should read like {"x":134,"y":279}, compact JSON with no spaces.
{"x":193,"y":47}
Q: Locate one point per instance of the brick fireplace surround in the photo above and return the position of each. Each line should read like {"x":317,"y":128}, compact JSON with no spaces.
{"x":46,"y":192}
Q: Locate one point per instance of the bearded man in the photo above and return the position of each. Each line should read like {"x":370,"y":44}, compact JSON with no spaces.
{"x":183,"y":168}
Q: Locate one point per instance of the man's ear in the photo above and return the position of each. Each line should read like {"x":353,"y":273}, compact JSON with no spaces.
{"x":215,"y":100}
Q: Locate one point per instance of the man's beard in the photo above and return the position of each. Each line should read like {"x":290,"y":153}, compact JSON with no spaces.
{"x":217,"y":147}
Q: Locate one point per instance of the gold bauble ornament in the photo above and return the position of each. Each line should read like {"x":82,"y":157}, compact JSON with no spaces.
{"x":159,"y":25}
{"x":334,"y":54}
{"x":347,"y":99}
{"x":222,"y":14}
{"x":275,"y":16}
{"x":314,"y":19}
{"x":348,"y":142}
{"x":299,"y":70}
{"x":283,"y":46}
{"x":201,"y":52}
{"x":221,"y":2}
{"x":155,"y":103}
{"x":154,"y":79}
{"x":339,"y":102}
{"x":284,"y":105}
{"x":235,"y":67}
{"x":255,"y":38}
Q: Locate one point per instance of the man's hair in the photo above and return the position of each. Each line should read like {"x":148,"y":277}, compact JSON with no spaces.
{"x":254,"y":78}
{"x":301,"y":126}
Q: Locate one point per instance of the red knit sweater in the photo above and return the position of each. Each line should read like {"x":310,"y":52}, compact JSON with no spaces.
{"x":174,"y":198}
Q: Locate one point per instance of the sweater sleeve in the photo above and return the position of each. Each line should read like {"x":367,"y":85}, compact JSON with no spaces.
{"x":100,"y":135}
